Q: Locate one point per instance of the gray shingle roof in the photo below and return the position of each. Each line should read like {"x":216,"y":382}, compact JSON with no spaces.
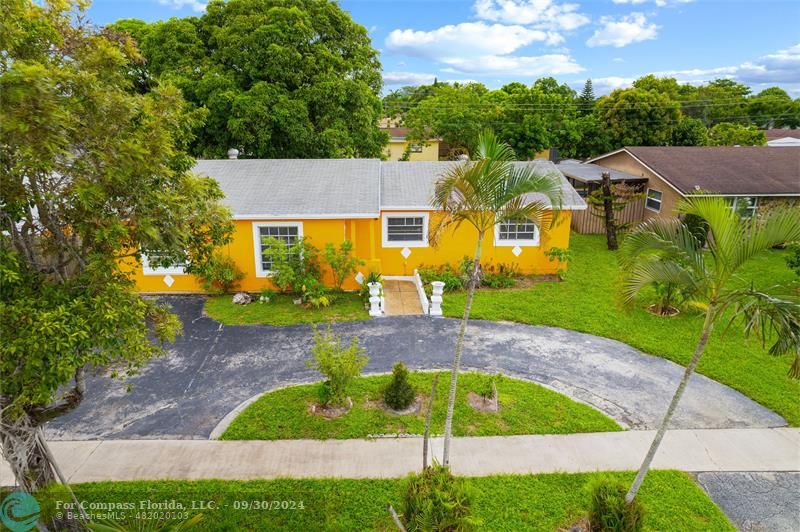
{"x":336,"y":188}
{"x":410,"y":185}
{"x":589,"y":172}
{"x":297,"y":188}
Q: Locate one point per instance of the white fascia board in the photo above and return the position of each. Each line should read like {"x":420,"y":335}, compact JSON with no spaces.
{"x":305,"y":216}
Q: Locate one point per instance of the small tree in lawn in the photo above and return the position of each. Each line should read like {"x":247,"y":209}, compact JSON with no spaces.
{"x":341,"y":262}
{"x":339,"y":364}
{"x":609,"y":200}
{"x":92,"y":176}
{"x":665,"y":251}
{"x":490,"y":190}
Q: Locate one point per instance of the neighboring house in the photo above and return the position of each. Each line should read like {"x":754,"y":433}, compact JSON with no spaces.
{"x":427,"y":151}
{"x":782,"y":137}
{"x":382,"y":207}
{"x":752,"y":177}
{"x":586,"y":178}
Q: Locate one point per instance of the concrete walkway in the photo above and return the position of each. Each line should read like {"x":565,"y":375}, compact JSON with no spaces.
{"x":401,"y":298}
{"x":688,"y":450}
{"x":213,"y":368}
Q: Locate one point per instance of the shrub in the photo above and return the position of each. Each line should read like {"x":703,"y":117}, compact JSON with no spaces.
{"x":294,"y":265}
{"x":220,"y":274}
{"x":315,"y":294}
{"x":339,"y":364}
{"x":502,"y":276}
{"x":341,"y":262}
{"x":698,"y":227}
{"x":609,"y":513}
{"x":793,"y":260}
{"x":563,"y":256}
{"x":399,"y":394}
{"x":445,"y":273}
{"x":487,"y":384}
{"x":436,"y":500}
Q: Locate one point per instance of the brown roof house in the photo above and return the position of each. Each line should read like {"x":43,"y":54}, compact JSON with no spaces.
{"x":753,"y":177}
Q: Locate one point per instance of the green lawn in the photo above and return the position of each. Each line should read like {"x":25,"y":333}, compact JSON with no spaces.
{"x":538,"y":502}
{"x":588,"y":301}
{"x":525,"y":408}
{"x":281,"y":310}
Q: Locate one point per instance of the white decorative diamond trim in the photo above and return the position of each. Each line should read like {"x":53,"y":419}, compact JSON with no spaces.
{"x":360,"y":278}
{"x":517,"y":251}
{"x":405,"y":253}
{"x":168,"y":280}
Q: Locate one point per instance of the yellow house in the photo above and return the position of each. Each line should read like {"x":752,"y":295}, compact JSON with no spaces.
{"x":382,"y":207}
{"x":429,"y":151}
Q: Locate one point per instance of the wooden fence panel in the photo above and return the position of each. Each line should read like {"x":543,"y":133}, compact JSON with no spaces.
{"x":588,"y":223}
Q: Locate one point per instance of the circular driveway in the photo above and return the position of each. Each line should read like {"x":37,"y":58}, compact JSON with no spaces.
{"x":213,"y":368}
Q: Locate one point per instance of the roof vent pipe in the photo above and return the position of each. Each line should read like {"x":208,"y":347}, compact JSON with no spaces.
{"x":233,"y":153}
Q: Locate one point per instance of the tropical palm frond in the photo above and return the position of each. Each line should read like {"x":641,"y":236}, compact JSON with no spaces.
{"x":725,"y":227}
{"x":668,"y":238}
{"x":767,"y":316}
{"x":658,"y":270}
{"x":493,"y":189}
{"x":776,"y":227}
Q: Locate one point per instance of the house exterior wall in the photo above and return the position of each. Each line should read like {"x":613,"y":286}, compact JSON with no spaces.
{"x":624,"y":162}
{"x":395,"y":149}
{"x":367,"y":236}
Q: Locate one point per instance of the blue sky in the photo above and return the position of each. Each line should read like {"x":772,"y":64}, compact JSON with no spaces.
{"x":611,"y":41}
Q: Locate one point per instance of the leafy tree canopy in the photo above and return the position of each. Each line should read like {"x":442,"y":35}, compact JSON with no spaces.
{"x":278,"y":78}
{"x":727,"y":134}
{"x":93,"y":174}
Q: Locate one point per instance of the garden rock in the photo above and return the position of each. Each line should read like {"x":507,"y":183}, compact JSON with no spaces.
{"x":242,"y":298}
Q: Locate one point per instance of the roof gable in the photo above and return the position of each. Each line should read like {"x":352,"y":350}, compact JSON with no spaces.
{"x":725,"y":170}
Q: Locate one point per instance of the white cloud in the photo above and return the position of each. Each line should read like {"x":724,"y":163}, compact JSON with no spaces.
{"x":779,"y":68}
{"x":197,"y":6}
{"x":659,"y":3}
{"x":619,"y":32}
{"x":550,"y":64}
{"x":546,"y":14}
{"x":407,"y":78}
{"x":618,"y":60}
{"x":467,"y":39}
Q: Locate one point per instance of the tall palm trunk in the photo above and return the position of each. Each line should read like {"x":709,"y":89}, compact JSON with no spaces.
{"x":673,"y":405}
{"x":451,"y":399}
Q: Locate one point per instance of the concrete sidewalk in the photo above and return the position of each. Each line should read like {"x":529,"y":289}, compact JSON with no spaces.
{"x":688,"y":450}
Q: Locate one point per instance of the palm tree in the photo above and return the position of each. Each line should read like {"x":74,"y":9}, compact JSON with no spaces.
{"x":665,"y":251}
{"x":490,"y":190}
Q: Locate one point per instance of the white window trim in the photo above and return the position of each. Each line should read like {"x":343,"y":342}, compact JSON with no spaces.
{"x":169,"y":270}
{"x":513,"y":243}
{"x":261,"y":272}
{"x":647,"y":197}
{"x":404,"y":244}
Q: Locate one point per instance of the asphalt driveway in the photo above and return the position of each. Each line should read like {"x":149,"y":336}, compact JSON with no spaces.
{"x":213,"y":368}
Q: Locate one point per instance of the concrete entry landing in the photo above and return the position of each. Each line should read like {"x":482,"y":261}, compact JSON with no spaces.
{"x":401,"y":298}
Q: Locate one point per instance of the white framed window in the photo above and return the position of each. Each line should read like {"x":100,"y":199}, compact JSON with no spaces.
{"x":175,"y":269}
{"x":415,"y":148}
{"x":288,"y":232}
{"x":405,"y":229}
{"x":653,"y":201}
{"x":516,"y":233}
{"x":745,"y":206}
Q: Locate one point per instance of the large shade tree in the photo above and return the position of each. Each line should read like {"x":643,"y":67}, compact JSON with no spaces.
{"x":280,"y":79}
{"x":489,"y":190}
{"x":92,"y":175}
{"x":664,"y":251}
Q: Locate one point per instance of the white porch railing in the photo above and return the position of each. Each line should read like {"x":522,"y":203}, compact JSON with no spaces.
{"x":423,"y":297}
